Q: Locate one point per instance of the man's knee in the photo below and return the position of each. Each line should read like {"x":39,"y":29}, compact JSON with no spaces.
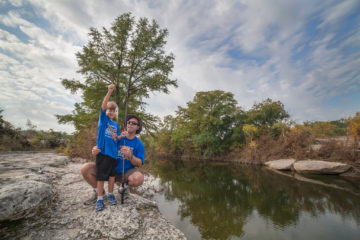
{"x":136,"y":179}
{"x":87,"y":168}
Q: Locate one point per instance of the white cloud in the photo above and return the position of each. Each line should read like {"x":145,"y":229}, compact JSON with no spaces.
{"x":202,"y":35}
{"x":333,"y":14}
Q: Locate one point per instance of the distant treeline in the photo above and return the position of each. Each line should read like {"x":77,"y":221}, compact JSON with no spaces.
{"x":16,"y":139}
{"x":213,"y":125}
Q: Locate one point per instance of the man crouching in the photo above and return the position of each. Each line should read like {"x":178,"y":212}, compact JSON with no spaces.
{"x":131,"y":154}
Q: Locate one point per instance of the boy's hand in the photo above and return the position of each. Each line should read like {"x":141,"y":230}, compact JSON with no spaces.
{"x":111,"y":87}
{"x":95,"y":150}
{"x":123,"y":134}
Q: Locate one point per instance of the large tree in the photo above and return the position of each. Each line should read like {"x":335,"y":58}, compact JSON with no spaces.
{"x":131,"y":55}
{"x":267,"y":113}
{"x":207,"y":123}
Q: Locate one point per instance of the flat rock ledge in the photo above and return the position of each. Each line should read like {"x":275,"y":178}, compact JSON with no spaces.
{"x":309,"y":166}
{"x":42,"y":196}
{"x":320,"y":167}
{"x":281,"y":164}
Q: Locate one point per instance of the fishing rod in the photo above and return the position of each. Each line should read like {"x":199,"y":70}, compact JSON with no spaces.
{"x":123,"y":184}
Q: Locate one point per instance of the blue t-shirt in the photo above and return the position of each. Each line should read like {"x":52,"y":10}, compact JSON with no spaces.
{"x":108,"y":131}
{"x":138,"y":151}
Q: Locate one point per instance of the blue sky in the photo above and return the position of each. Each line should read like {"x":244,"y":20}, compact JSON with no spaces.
{"x":305,"y":53}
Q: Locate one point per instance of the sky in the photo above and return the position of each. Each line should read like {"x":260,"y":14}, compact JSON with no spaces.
{"x":304,"y":53}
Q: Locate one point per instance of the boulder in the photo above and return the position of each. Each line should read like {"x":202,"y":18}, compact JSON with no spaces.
{"x":23,"y":199}
{"x":320,"y":167}
{"x":281,"y":164}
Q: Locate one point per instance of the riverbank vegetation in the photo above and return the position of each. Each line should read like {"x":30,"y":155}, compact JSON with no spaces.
{"x":17,"y":139}
{"x":212,"y":126}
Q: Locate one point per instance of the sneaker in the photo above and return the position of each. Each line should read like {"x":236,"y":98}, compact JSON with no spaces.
{"x":93,"y":198}
{"x":112,"y":199}
{"x":99,"y":205}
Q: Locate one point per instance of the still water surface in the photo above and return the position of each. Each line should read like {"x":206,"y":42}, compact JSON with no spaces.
{"x":221,"y":201}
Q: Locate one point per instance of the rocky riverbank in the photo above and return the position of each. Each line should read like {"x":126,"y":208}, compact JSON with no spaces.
{"x":42,"y":195}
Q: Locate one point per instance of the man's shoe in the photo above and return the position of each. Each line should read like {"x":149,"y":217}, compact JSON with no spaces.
{"x":99,"y":205}
{"x":93,"y":198}
{"x":112,"y":199}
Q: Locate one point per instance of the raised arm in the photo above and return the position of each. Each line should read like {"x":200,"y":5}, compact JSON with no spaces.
{"x":107,"y":96}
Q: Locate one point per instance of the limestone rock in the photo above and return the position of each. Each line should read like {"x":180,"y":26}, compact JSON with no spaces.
{"x":281,"y":164}
{"x":23,"y":199}
{"x":320,"y":167}
{"x":33,"y":179}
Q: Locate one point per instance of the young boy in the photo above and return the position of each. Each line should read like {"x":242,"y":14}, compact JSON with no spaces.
{"x":108,"y":130}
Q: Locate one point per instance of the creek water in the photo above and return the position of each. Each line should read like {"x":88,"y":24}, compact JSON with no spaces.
{"x":226,"y":201}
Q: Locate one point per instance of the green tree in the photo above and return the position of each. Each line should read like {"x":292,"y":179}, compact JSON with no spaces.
{"x":267,"y":113}
{"x":279,"y":129}
{"x":323,"y":129}
{"x":163,"y":136}
{"x":131,"y":55}
{"x":340,"y":127}
{"x":207,"y":123}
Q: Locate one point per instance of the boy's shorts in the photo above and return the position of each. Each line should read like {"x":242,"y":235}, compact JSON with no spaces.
{"x":105,"y":167}
{"x":118,"y":177}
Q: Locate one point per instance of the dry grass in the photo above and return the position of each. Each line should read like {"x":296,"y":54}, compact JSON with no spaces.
{"x":339,"y":151}
{"x":80,"y":146}
{"x":297,"y":146}
{"x":294,"y":145}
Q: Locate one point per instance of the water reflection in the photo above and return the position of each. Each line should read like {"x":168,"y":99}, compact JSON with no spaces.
{"x":220,"y":200}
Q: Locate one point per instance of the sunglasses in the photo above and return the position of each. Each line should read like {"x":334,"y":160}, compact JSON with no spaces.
{"x":132,"y":123}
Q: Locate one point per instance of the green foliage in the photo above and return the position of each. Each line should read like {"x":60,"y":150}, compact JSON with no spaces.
{"x":340,"y":127}
{"x":205,"y":127}
{"x":279,"y":129}
{"x":267,"y":113}
{"x":323,"y":129}
{"x":48,"y":139}
{"x":212,"y":124}
{"x":129,"y":54}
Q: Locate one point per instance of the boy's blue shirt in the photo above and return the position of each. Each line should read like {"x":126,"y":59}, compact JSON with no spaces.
{"x":108,"y":131}
{"x":138,"y":151}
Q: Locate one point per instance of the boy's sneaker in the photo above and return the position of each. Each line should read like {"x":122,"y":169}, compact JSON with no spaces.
{"x":93,"y":198}
{"x":112,"y":199}
{"x":99,"y":205}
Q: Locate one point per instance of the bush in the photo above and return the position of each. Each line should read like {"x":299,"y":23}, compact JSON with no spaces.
{"x":81,"y":143}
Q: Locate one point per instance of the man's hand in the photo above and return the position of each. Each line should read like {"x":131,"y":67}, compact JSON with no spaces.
{"x":111,"y":87}
{"x":95,"y":150}
{"x":126,"y":151}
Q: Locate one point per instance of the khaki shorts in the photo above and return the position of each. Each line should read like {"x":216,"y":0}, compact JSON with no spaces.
{"x":118,"y":177}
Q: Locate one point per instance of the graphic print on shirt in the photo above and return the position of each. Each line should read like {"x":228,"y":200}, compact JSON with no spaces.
{"x":110,"y":132}
{"x":122,"y":156}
